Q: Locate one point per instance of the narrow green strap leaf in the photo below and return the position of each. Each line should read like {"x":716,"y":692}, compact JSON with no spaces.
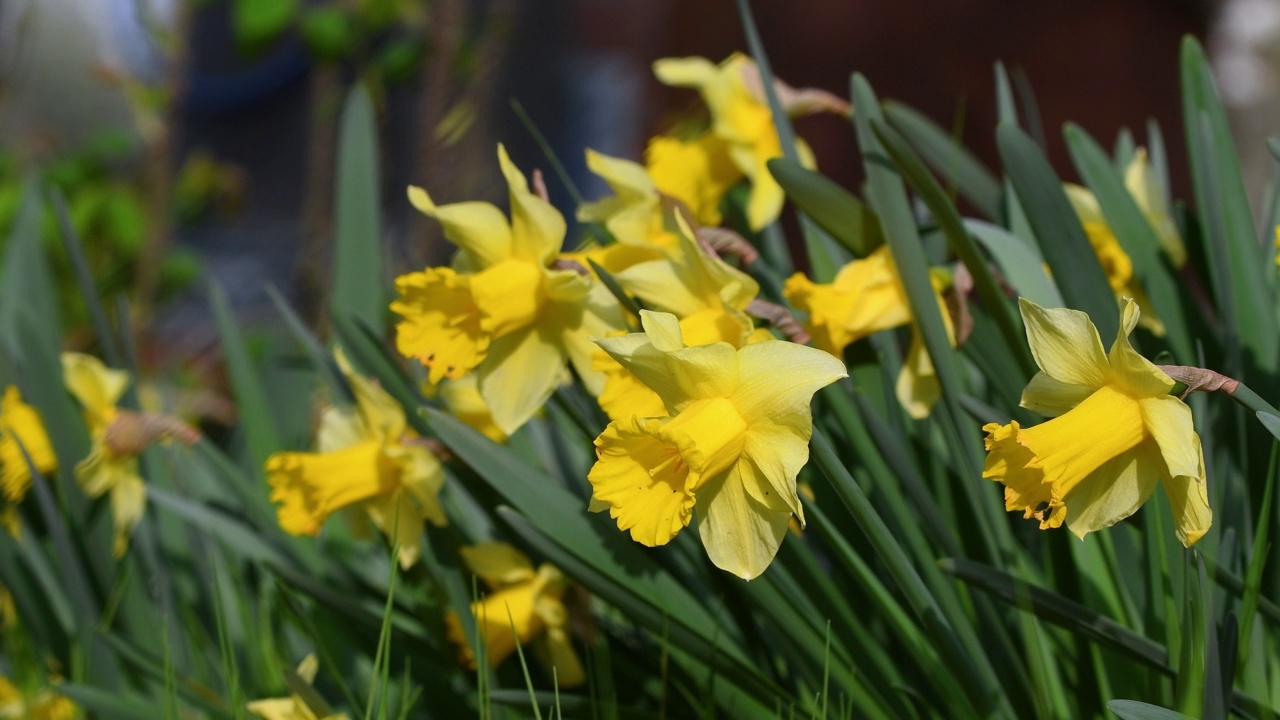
{"x":1134,"y":710}
{"x":959,"y":167}
{"x":833,"y":208}
{"x":84,"y":279}
{"x":26,"y":280}
{"x":1225,"y":217}
{"x":952,"y":226}
{"x":256,"y":420}
{"x":358,"y":283}
{"x":1020,"y":262}
{"x":1136,"y":236}
{"x":1062,"y":239}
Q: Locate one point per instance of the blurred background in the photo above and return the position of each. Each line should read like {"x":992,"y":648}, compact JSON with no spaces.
{"x":195,"y":140}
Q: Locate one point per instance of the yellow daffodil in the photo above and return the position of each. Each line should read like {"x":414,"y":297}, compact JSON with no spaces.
{"x":867,"y":297}
{"x":296,"y":707}
{"x":504,"y":310}
{"x":1116,"y":432}
{"x":112,"y":464}
{"x":43,"y":705}
{"x":523,"y":605}
{"x":740,"y":117}
{"x":708,"y":296}
{"x":21,"y":429}
{"x":367,"y":457}
{"x":736,"y":436}
{"x":8,"y":611}
{"x":697,"y":172}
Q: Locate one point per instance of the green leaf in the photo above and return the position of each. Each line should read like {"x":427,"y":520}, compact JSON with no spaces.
{"x":358,"y":284}
{"x":26,"y":283}
{"x":833,"y":208}
{"x":1136,"y":236}
{"x":949,"y":221}
{"x":256,"y":420}
{"x":1019,"y":261}
{"x":1226,"y":221}
{"x":329,"y":33}
{"x":109,"y":705}
{"x":1062,"y":239}
{"x":944,"y":153}
{"x":1134,"y":710}
{"x":257,"y":23}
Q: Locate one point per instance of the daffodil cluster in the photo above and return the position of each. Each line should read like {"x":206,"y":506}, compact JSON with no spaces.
{"x":1116,"y":433}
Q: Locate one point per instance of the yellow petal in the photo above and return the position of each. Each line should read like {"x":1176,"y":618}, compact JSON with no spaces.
{"x":128,"y":502}
{"x":400,"y":519}
{"x":380,"y":412}
{"x":766,"y":199}
{"x":479,"y":229}
{"x":917,"y":387}
{"x":1189,"y":500}
{"x":642,"y":480}
{"x":519,"y":375}
{"x":441,"y":324}
{"x":624,"y":395}
{"x":1050,"y":397}
{"x":1168,"y":419}
{"x":777,"y":380}
{"x":1084,"y":203}
{"x":1137,"y":374}
{"x":864,"y":298}
{"x":577,"y":324}
{"x":741,"y":535}
{"x":1142,"y":184}
{"x":21,"y":429}
{"x":1114,"y":491}
{"x":97,"y":387}
{"x":777,"y":453}
{"x":312,"y":486}
{"x":692,"y":72}
{"x":463,"y":399}
{"x":626,"y":178}
{"x":504,"y":617}
{"x":278,"y":709}
{"x":497,"y":563}
{"x":537,"y":228}
{"x":510,"y":296}
{"x":1065,"y":344}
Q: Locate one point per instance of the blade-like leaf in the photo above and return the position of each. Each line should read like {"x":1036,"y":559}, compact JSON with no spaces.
{"x":358,"y":285}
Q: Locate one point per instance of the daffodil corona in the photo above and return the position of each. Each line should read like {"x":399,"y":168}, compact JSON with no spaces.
{"x":1115,"y":433}
{"x":736,"y":436}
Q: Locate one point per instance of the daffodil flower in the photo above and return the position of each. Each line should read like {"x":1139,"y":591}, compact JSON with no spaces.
{"x":524,"y":605}
{"x":736,"y":437}
{"x":740,"y":117}
{"x":369,"y":458}
{"x":295,"y":707}
{"x":1115,"y":432}
{"x":504,"y":310}
{"x":709,"y":297}
{"x":462,"y":397}
{"x":1141,"y":182}
{"x":21,"y":430}
{"x":867,"y":297}
{"x":112,"y":465}
{"x":634,"y":214}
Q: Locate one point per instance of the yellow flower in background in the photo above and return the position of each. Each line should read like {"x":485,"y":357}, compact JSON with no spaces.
{"x":112,"y":465}
{"x":43,"y":705}
{"x":708,"y":296}
{"x":1116,"y":432}
{"x":523,"y":605}
{"x":697,"y":172}
{"x":867,"y":297}
{"x":367,"y":457}
{"x":1147,"y":191}
{"x":296,"y":707}
{"x":634,"y":214}
{"x":740,"y":117}
{"x":736,"y":437}
{"x":503,"y":309}
{"x":21,"y":429}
